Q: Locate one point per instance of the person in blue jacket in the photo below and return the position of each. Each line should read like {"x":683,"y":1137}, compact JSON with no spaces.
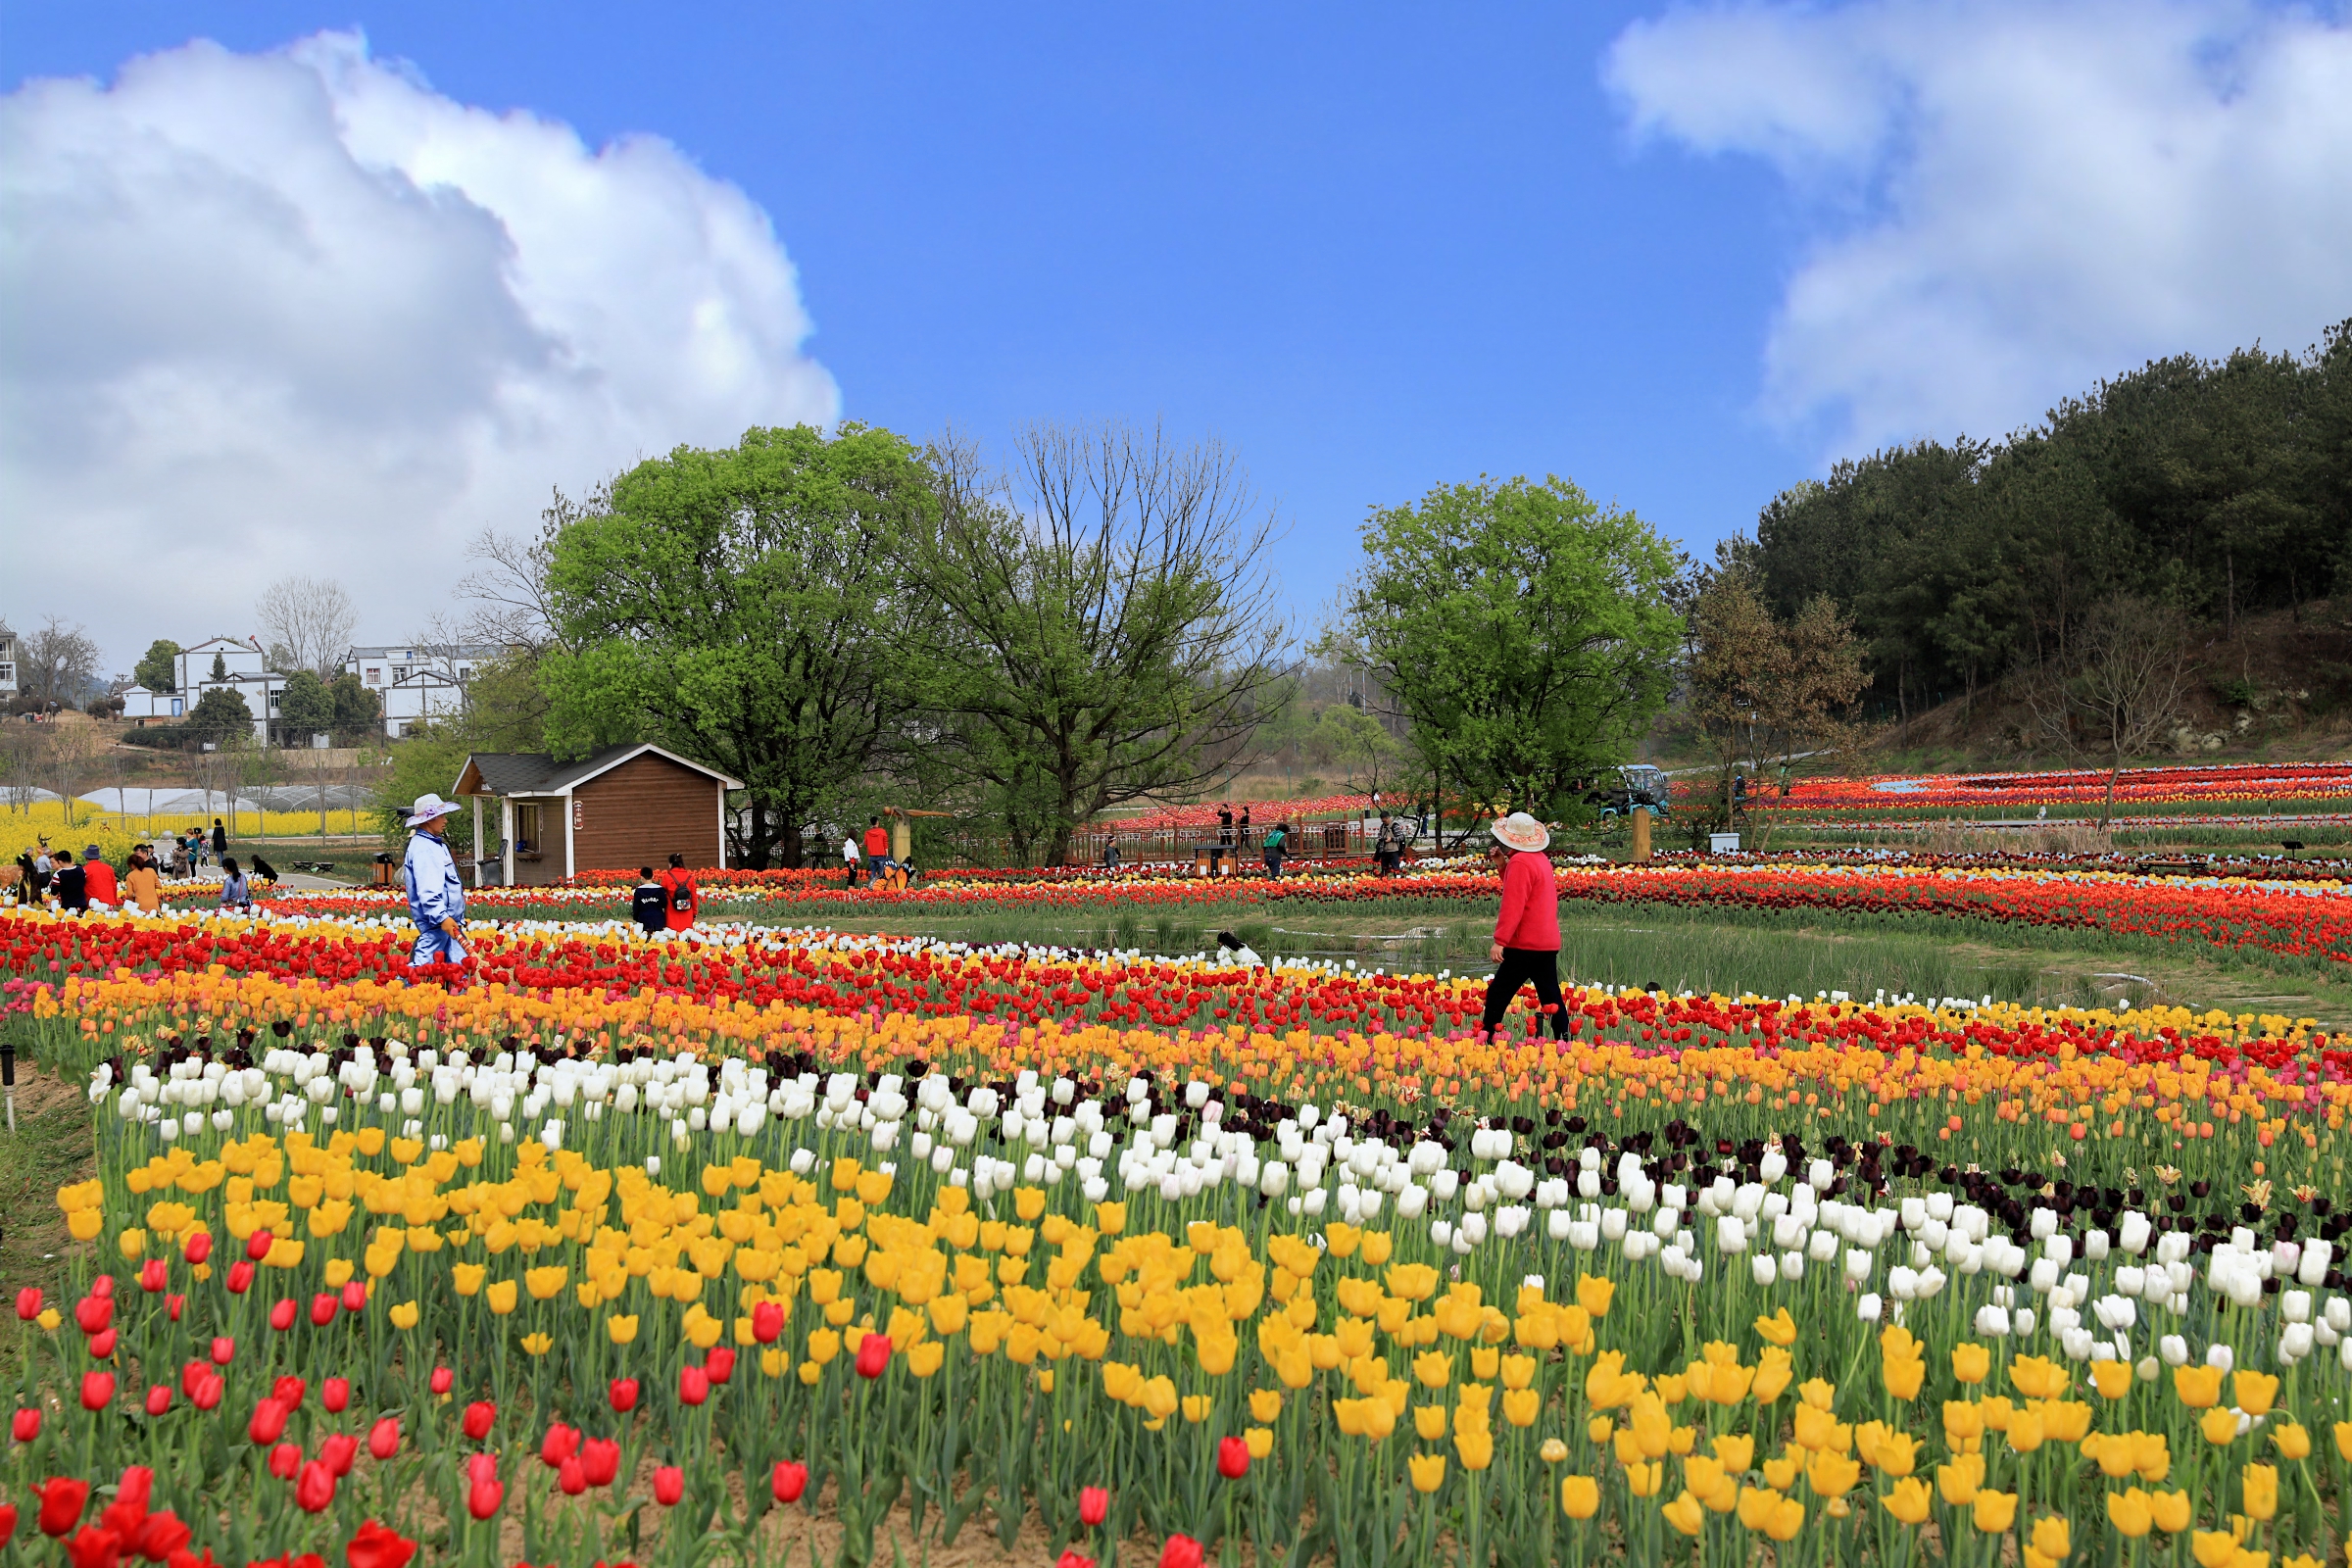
{"x":436,"y":895}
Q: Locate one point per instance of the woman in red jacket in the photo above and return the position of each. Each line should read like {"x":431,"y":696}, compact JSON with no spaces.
{"x":684,"y":903}
{"x":1527,"y":930}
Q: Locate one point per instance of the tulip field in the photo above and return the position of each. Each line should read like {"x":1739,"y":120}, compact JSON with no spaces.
{"x":769,"y":1244}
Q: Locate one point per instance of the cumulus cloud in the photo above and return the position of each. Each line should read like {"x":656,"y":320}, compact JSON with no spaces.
{"x":2002,"y":201}
{"x":297,"y":312}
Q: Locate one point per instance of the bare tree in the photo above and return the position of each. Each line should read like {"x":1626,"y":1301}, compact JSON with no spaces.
{"x":22,"y":763}
{"x":1109,"y":622}
{"x":507,"y":590}
{"x":74,"y":747}
{"x":312,"y":618}
{"x":2118,"y":687}
{"x":57,"y":663}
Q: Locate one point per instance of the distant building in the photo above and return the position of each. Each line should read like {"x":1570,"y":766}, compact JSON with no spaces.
{"x":382,"y":668}
{"x":419,"y":696}
{"x":8,"y":662}
{"x":192,"y":667}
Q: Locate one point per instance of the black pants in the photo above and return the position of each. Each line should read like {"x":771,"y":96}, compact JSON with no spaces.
{"x":1519,"y":966}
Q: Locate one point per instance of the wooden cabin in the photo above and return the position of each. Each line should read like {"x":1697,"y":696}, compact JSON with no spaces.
{"x":623,"y":807}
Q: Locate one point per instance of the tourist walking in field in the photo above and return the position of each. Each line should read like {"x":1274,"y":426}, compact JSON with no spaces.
{"x":685,"y":904}
{"x":142,"y":889}
{"x":1527,"y":928}
{"x":220,"y":839}
{"x":98,"y":880}
{"x":437,"y":893}
{"x":1278,"y":840}
{"x":1389,"y":847}
{"x":877,"y":851}
{"x":649,"y":905}
{"x":849,"y":857}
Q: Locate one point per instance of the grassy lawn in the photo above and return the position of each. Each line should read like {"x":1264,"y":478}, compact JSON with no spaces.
{"x":51,"y":1148}
{"x":1770,"y":954}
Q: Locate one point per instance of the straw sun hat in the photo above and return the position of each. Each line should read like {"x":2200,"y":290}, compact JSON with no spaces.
{"x":1522,"y":832}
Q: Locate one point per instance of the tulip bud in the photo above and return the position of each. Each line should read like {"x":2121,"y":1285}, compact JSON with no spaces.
{"x":240,"y":1277}
{"x":694,"y":1385}
{"x":97,"y":1390}
{"x":159,"y":1398}
{"x":720,"y":1364}
{"x":768,"y":1322}
{"x":29,"y":1303}
{"x":335,"y":1394}
{"x":322,"y":1308}
{"x":285,"y":1460}
{"x":1094,"y":1506}
{"x":257,"y":1246}
{"x":153,"y":1275}
{"x":383,"y":1439}
{"x":873,"y":1355}
{"x":790,"y":1479}
{"x":199,"y":1248}
{"x":479,"y":1417}
{"x":625,"y":1395}
{"x":443,"y":1380}
{"x":281,"y":1316}
{"x":26,"y":1425}
{"x":669,"y":1486}
{"x":572,"y":1478}
{"x":338,"y":1452}
{"x":1233,"y":1459}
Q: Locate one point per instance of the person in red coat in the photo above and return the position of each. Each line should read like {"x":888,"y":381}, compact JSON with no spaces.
{"x":1527,"y":929}
{"x":684,"y":901}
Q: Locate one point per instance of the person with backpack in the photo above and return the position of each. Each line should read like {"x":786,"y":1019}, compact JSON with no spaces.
{"x":684,"y":903}
{"x":649,"y":905}
{"x":1278,"y":838}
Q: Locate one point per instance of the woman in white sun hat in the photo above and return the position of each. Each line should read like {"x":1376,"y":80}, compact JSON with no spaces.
{"x":1527,"y":929}
{"x":436,"y":895}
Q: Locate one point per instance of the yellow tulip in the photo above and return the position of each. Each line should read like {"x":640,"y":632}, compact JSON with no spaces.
{"x":1476,"y":1448}
{"x":1594,"y":1294}
{"x":925,"y":1357}
{"x":467,"y":1278}
{"x":502,"y":1296}
{"x":1685,"y":1514}
{"x":621,"y":1329}
{"x":1433,"y":1369}
{"x":1580,"y":1497}
{"x":1971,"y":1363}
{"x":1428,"y":1471}
{"x":2220,"y":1425}
{"x":405,"y":1315}
{"x":1993,"y":1511}
{"x":1428,"y":1420}
{"x":1904,"y":1378}
{"x":2113,"y":1379}
{"x":2198,"y":1387}
{"x":2253,"y":1391}
{"x":1260,"y":1441}
{"x":1737,"y":1452}
{"x":1909,"y":1500}
{"x":538,"y":1344}
{"x":2129,"y":1513}
{"x":2171,"y":1511}
{"x":1779,"y":1329}
{"x":1265,"y":1405}
{"x":1645,"y":1480}
{"x":1520,"y":1406}
{"x":2292,"y":1440}
{"x":2214,"y":1549}
{"x":2343,"y":1439}
{"x":2051,"y":1537}
{"x":1787,"y":1518}
{"x":1958,"y":1480}
{"x":2261,"y":1488}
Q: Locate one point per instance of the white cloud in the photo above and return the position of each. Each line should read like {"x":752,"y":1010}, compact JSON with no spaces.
{"x":2004,"y":201}
{"x":298,"y":313}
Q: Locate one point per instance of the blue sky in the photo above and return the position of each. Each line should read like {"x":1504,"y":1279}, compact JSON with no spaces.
{"x":1683,"y":256}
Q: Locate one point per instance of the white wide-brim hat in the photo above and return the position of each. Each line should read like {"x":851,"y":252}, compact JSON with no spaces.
{"x":429,"y":808}
{"x":1522,"y":832}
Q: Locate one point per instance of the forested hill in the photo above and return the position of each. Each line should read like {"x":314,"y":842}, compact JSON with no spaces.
{"x":2224,"y":487}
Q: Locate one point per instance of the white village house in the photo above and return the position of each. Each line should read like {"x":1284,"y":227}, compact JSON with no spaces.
{"x":8,"y":662}
{"x":245,"y":669}
{"x":416,"y":684}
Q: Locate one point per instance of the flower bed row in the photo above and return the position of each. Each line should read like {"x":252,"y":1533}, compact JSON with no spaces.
{"x":2252,"y":783}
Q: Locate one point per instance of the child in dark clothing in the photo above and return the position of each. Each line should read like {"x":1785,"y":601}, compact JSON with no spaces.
{"x":649,"y":907}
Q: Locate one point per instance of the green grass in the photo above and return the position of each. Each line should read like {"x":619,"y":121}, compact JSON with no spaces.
{"x":51,"y":1148}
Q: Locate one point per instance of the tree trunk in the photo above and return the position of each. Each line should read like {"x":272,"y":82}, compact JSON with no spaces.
{"x":792,"y":852}
{"x":2107,"y":808}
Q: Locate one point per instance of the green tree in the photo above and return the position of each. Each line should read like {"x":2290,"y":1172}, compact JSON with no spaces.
{"x":1527,"y":633}
{"x":219,"y":668}
{"x":155,"y":669}
{"x":221,"y":715}
{"x":1106,"y":629}
{"x":305,"y":706}
{"x":1353,"y":739}
{"x":357,"y":710}
{"x":748,"y":608}
{"x":426,"y":761}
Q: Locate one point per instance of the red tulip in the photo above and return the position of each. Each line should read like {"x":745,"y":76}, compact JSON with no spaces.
{"x":1094,"y":1506}
{"x":1181,"y":1552}
{"x":269,"y":1423}
{"x":163,"y":1534}
{"x":600,"y":1459}
{"x":8,"y":1522}
{"x":376,"y":1547}
{"x":317,"y":1488}
{"x":354,"y":1294}
{"x":94,"y":1548}
{"x":669,"y":1486}
{"x":481,"y":1467}
{"x":561,"y":1443}
{"x":174,"y":1305}
{"x":257,"y":1246}
{"x":26,"y":1425}
{"x":154,"y":1276}
{"x":285,"y":1460}
{"x":159,"y":1398}
{"x":768,"y":1322}
{"x":790,"y":1479}
{"x":1233,"y":1459}
{"x":205,"y":1396}
{"x":625,"y":1395}
{"x":873,"y":1355}
{"x":443,"y":1380}
{"x":103,"y":1285}
{"x":1071,"y":1557}
{"x":97,"y":1390}
{"x":281,"y":1316}
{"x":61,"y":1504}
{"x":102,"y":1344}
{"x":93,"y":1312}
{"x":694,"y":1385}
{"x":240,"y":1277}
{"x":719,"y":1363}
{"x":192,"y":1373}
{"x":289,"y":1390}
{"x":322,"y":1308}
{"x":480,"y":1416}
{"x":199,"y":1248}
{"x":128,"y":1511}
{"x":29,"y":1303}
{"x":483,"y":1498}
{"x":338,"y":1452}
{"x":571,"y":1477}
{"x":383,"y":1438}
